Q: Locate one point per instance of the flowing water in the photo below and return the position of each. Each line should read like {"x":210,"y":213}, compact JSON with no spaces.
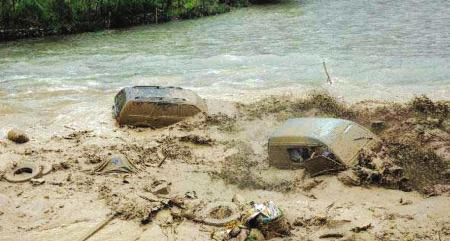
{"x":387,"y":50}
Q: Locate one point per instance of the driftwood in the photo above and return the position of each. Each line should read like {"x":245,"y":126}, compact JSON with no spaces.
{"x":99,"y":226}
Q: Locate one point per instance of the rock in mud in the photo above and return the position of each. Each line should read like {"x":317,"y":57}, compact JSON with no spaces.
{"x":18,"y":136}
{"x":38,"y":181}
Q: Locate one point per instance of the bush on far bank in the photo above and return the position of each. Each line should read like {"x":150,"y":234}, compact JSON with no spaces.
{"x":71,"y":16}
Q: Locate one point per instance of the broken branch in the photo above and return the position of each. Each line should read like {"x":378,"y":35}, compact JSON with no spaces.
{"x":99,"y":226}
{"x":326,"y":72}
{"x":165,"y":157}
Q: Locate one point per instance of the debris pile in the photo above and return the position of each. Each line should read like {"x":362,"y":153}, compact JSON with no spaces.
{"x":198,"y":140}
{"x":376,"y":166}
{"x":258,"y":221}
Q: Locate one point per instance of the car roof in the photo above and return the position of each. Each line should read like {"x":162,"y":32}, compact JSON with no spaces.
{"x":345,"y":138}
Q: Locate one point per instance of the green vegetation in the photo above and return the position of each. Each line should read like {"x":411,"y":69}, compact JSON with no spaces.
{"x":68,"y":16}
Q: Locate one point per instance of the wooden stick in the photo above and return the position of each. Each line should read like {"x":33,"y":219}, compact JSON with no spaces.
{"x":326,"y":72}
{"x":165,"y":157}
{"x":99,"y":226}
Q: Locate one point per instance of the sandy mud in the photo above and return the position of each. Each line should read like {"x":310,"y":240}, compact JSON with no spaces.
{"x":211,"y":158}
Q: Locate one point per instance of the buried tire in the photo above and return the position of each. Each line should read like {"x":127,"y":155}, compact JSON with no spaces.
{"x":22,"y":172}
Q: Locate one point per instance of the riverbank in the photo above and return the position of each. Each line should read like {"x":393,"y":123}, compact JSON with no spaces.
{"x":231,"y":160}
{"x":30,"y":20}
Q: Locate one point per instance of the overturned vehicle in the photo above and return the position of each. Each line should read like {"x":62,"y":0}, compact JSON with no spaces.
{"x":318,"y":144}
{"x":155,"y":106}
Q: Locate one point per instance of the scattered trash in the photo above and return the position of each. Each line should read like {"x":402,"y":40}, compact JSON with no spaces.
{"x":332,"y":235}
{"x":269,"y":211}
{"x":317,"y":144}
{"x":18,"y":136}
{"x":196,"y":139}
{"x":267,"y":218}
{"x":362,"y":228}
{"x":155,"y":106}
{"x":116,"y":164}
{"x":21,"y":172}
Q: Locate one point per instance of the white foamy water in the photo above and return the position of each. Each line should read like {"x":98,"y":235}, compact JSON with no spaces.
{"x":386,"y":50}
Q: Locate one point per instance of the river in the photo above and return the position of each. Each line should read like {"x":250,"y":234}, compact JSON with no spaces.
{"x":386,"y":50}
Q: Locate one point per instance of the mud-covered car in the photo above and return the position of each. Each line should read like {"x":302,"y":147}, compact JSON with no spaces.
{"x":318,"y":144}
{"x":155,"y":106}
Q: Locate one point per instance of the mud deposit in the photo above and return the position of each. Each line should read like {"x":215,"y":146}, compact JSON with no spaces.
{"x":209,"y":159}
